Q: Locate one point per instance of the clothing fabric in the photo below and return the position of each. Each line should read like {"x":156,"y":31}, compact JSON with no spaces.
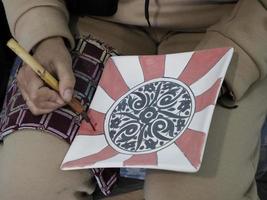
{"x":261,"y":175}
{"x":244,"y":27}
{"x":233,"y":144}
{"x":262,"y":167}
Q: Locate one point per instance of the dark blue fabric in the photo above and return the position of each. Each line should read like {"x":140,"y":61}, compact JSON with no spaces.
{"x":262,"y":166}
{"x":261,"y":175}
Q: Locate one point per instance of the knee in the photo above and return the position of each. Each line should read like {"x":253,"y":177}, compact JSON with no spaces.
{"x":162,"y":185}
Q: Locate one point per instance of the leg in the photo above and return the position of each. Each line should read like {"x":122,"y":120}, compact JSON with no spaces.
{"x":230,"y":158}
{"x":29,"y":169}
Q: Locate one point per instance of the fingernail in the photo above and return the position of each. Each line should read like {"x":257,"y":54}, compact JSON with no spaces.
{"x":67,"y":95}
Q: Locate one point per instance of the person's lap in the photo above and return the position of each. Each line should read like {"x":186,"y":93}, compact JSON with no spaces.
{"x":30,"y":169}
{"x":231,"y":153}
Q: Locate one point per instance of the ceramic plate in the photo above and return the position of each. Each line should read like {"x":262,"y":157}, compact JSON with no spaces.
{"x":151,"y":112}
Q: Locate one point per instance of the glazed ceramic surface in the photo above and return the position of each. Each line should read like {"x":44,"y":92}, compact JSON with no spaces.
{"x":151,"y":112}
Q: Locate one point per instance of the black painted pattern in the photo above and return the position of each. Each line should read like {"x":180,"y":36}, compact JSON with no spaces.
{"x":151,"y":116}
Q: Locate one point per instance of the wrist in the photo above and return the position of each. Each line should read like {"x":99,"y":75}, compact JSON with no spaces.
{"x":54,"y":39}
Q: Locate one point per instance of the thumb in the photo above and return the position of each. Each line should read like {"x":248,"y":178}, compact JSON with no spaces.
{"x":66,"y":80}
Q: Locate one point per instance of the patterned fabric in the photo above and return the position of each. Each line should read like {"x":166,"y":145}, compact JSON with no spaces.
{"x":106,"y":178}
{"x":89,"y":57}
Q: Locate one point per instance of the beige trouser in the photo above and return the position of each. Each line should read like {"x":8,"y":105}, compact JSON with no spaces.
{"x":29,"y":169}
{"x":230,"y":158}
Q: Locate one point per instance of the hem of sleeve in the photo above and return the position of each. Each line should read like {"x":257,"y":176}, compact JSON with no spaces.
{"x":40,"y":23}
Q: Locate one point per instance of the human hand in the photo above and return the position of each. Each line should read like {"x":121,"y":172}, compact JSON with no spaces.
{"x":53,"y":55}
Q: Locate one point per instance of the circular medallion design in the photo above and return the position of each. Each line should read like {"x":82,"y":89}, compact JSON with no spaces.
{"x":150,"y":116}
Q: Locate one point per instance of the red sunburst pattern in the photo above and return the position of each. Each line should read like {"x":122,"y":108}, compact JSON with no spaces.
{"x":200,"y":63}
{"x":114,"y":84}
{"x":145,"y":159}
{"x":208,"y":97}
{"x":97,"y":120}
{"x":153,"y":67}
{"x":112,"y":76}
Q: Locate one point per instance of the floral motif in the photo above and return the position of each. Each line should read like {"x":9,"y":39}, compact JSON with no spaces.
{"x":151,"y":116}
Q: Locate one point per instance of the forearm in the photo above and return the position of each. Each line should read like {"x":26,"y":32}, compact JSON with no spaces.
{"x":32,"y":21}
{"x":246,"y":30}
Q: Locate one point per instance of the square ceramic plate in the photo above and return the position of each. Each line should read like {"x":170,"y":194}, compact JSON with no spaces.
{"x":151,"y":112}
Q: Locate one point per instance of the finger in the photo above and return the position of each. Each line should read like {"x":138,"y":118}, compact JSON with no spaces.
{"x":66,"y":77}
{"x":43,"y":105}
{"x":49,"y":105}
{"x":47,"y":94}
{"x":29,"y":82}
{"x":32,"y":89}
{"x":32,"y":107}
{"x":37,"y":92}
{"x":35,"y":110}
{"x":24,"y":95}
{"x":47,"y":99}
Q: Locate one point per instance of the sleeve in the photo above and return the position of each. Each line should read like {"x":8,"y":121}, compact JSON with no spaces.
{"x":32,"y":21}
{"x":245,"y":29}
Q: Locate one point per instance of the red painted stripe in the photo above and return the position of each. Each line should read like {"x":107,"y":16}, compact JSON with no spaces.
{"x":152,"y":66}
{"x":191,"y":143}
{"x":208,"y":97}
{"x":112,"y":81}
{"x":97,"y":119}
{"x":142,"y":159}
{"x":104,"y":154}
{"x":201,"y":63}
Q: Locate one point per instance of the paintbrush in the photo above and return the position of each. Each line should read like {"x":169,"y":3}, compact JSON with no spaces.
{"x":46,"y":76}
